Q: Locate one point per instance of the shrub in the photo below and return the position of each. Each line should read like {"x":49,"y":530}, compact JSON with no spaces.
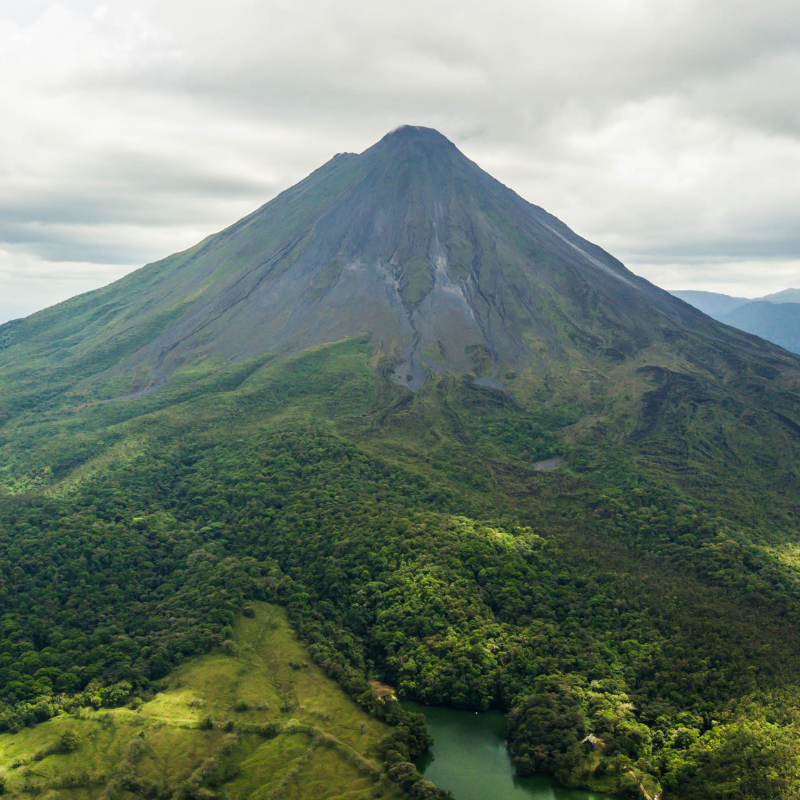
{"x":68,"y":741}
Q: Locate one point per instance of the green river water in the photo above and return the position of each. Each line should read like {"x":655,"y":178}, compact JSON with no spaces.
{"x":470,"y":759}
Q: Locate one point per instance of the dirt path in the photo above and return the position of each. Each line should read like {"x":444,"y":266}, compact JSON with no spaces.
{"x":548,"y":465}
{"x":644,"y":791}
{"x":382,"y":689}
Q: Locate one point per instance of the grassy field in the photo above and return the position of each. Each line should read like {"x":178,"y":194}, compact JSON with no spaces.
{"x":255,"y":720}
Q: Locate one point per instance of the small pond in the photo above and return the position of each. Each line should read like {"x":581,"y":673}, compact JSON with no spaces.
{"x":470,"y":759}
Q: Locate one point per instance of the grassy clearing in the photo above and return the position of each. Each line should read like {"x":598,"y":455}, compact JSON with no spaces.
{"x":255,"y":720}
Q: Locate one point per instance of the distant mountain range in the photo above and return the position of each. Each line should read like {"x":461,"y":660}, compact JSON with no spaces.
{"x":774,"y":317}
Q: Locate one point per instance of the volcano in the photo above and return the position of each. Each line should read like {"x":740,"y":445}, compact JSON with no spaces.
{"x":410,"y":242}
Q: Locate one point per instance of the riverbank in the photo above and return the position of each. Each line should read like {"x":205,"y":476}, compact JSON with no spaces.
{"x":470,"y":758}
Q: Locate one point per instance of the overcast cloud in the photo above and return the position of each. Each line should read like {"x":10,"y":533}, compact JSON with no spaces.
{"x":668,"y":131}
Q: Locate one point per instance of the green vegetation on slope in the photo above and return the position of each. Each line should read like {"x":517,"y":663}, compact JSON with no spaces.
{"x":254,"y":719}
{"x":409,"y":538}
{"x":416,"y":280}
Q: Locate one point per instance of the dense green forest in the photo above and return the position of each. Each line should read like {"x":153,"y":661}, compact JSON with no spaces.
{"x":410,"y":539}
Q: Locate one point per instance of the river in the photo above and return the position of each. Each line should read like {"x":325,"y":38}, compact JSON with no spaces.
{"x":470,"y":759}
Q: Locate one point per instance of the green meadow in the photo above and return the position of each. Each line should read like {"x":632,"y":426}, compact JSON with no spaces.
{"x":254,"y":719}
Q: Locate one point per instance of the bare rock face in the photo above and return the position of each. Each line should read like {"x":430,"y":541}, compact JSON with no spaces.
{"x":410,"y":242}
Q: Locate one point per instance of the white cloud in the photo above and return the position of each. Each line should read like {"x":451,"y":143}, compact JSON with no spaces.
{"x":666,"y":132}
{"x":743,"y":277}
{"x":29,"y":283}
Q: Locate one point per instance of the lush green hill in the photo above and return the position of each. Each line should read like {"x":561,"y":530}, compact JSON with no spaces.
{"x":256,"y":719}
{"x":310,"y":409}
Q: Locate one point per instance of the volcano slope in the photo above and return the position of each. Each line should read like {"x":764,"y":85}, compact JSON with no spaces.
{"x":340,"y":405}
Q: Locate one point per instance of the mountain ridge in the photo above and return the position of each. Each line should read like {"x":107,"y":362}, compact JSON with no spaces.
{"x":774,"y":317}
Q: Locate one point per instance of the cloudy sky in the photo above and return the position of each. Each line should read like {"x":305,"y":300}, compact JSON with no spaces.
{"x":667,"y":131}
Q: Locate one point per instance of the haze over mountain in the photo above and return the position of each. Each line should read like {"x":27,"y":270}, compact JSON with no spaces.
{"x":714,"y":304}
{"x":785,"y":296}
{"x":774,"y":317}
{"x":474,"y":456}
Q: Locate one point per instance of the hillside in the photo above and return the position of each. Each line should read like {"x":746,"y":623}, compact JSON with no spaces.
{"x":341,"y":404}
{"x":255,"y":719}
{"x":774,"y":321}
